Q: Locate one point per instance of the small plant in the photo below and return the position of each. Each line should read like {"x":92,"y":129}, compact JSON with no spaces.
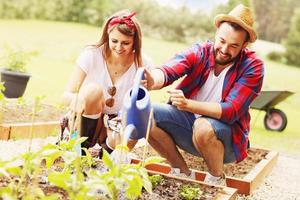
{"x":16,"y":59}
{"x":189,"y":192}
{"x":156,"y":180}
{"x":125,"y":177}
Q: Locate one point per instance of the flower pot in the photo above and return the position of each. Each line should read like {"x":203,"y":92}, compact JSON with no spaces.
{"x":14,"y":82}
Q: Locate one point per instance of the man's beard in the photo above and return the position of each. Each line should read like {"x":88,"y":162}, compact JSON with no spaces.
{"x":223,"y":62}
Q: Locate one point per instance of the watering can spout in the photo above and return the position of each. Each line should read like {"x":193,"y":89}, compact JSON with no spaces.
{"x":129,"y":130}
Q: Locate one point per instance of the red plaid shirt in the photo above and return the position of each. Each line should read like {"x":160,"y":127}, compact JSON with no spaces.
{"x":242,"y":84}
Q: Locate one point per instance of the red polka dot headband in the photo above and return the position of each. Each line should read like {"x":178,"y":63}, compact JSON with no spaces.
{"x":123,"y":20}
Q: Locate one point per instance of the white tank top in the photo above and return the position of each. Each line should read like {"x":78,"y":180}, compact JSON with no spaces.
{"x":211,"y":91}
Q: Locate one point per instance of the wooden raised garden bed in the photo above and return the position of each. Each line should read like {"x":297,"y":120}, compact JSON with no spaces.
{"x":16,"y":120}
{"x":22,"y":130}
{"x":244,"y":176}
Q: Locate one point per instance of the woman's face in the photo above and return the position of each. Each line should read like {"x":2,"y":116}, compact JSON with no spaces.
{"x":120,"y":44}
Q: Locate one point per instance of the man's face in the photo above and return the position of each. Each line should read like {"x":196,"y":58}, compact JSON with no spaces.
{"x":228,"y":43}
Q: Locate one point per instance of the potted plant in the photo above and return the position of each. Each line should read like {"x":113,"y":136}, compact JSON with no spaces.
{"x":14,"y":73}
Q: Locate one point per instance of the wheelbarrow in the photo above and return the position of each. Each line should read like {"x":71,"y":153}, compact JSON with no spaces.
{"x":275,"y":119}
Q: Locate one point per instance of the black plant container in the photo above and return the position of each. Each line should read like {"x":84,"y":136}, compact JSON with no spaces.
{"x":14,"y":82}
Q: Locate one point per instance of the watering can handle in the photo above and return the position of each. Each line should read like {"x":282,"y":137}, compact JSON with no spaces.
{"x":136,"y":85}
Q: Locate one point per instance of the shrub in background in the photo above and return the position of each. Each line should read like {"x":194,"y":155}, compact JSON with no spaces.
{"x":292,"y":43}
{"x":275,"y":56}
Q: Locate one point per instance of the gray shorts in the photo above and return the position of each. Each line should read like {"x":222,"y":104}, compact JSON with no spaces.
{"x":179,"y":125}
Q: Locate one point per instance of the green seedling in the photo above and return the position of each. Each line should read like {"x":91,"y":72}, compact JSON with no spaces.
{"x":189,"y":192}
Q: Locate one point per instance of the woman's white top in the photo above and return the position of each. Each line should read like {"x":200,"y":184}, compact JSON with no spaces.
{"x":92,"y":62}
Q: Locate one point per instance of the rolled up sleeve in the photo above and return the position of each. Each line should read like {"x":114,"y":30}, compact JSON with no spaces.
{"x":243,"y":92}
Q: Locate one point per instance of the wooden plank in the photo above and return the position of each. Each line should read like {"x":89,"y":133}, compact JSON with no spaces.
{"x":39,"y":130}
{"x":4,"y":132}
{"x":243,"y":186}
{"x":261,"y":170}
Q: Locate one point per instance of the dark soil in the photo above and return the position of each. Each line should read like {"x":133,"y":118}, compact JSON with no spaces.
{"x":13,"y":112}
{"x":170,"y":189}
{"x":237,"y":170}
{"x":50,"y":190}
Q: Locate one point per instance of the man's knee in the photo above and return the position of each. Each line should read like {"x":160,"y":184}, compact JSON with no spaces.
{"x":154,"y":130}
{"x":203,"y":132}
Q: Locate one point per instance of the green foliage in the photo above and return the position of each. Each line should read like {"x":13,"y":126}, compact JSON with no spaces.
{"x":274,"y":17}
{"x":2,"y":88}
{"x":85,"y":11}
{"x":168,"y":23}
{"x":292,"y":42}
{"x":189,"y":192}
{"x":23,"y":174}
{"x":76,"y":177}
{"x":275,"y":56}
{"x":156,"y":180}
{"x":128,"y":177}
{"x":155,"y":19}
{"x":16,"y":59}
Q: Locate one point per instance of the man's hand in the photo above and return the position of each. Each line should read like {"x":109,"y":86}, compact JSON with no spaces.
{"x":178,"y":99}
{"x":148,"y":82}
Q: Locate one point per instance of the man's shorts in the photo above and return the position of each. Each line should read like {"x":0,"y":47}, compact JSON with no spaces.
{"x":179,"y":125}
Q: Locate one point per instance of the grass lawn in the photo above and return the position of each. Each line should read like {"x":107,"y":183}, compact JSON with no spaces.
{"x":60,"y":43}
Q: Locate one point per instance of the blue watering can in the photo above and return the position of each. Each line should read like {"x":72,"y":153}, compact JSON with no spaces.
{"x":136,"y":107}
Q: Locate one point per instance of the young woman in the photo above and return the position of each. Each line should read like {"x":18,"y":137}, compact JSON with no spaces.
{"x":104,"y":73}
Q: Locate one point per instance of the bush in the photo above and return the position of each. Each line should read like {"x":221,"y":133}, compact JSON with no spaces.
{"x":16,"y":59}
{"x":292,"y":42}
{"x":275,"y":56}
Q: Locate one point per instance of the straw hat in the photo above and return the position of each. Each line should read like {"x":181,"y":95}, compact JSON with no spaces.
{"x":242,"y":16}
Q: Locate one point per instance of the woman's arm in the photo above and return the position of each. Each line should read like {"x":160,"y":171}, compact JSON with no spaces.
{"x":73,"y":86}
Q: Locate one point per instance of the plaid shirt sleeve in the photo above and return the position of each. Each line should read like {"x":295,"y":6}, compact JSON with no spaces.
{"x":182,"y":64}
{"x":245,"y":89}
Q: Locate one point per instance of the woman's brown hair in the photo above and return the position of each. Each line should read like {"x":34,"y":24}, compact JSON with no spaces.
{"x":124,"y":29}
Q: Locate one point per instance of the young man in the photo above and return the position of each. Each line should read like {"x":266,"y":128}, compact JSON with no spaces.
{"x":208,"y":112}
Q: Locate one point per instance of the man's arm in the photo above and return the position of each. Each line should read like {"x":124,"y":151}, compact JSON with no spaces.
{"x":210,"y":109}
{"x":154,"y":79}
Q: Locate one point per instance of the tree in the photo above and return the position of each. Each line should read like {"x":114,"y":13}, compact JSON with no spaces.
{"x":274,"y":18}
{"x":292,"y":42}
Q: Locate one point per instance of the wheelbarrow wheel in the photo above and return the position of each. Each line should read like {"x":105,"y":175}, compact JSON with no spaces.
{"x":275,"y":120}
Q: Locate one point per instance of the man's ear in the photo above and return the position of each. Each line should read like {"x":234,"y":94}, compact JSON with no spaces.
{"x":245,"y":45}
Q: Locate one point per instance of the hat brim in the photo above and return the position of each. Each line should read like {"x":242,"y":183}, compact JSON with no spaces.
{"x":228,"y":18}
